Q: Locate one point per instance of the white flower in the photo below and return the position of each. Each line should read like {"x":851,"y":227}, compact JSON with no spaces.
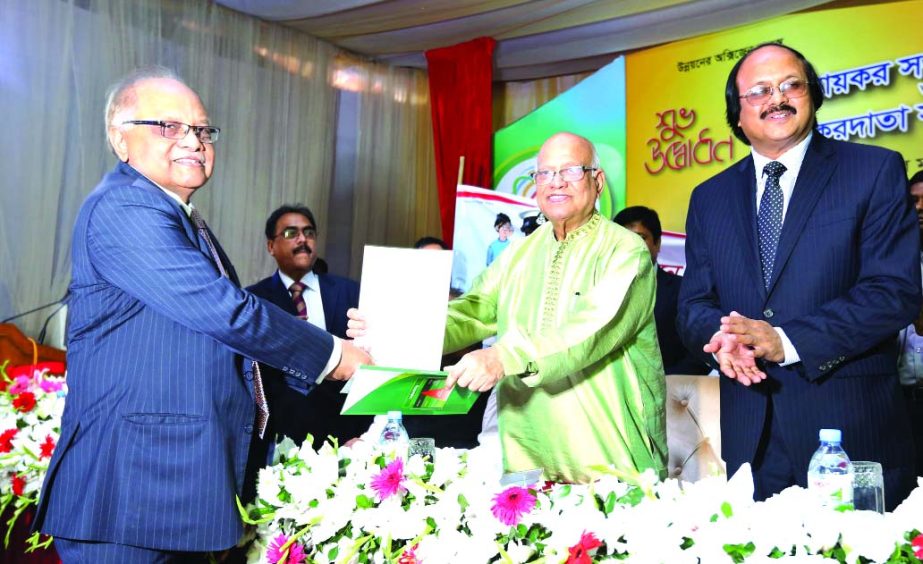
{"x":868,"y":534}
{"x":267,"y":486}
{"x":519,"y":552}
{"x":447,"y":465}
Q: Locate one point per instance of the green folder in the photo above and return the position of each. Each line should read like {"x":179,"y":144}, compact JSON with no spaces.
{"x":376,"y":390}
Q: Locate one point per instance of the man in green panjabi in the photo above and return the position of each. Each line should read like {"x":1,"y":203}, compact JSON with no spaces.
{"x":577,"y":367}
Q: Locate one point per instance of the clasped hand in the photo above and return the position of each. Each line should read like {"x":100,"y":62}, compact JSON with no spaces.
{"x":739,"y":342}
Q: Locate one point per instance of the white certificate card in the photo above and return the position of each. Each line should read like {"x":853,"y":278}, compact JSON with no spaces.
{"x":404,"y":297}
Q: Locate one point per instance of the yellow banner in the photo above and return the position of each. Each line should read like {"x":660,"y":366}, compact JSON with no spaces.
{"x":870,"y":62}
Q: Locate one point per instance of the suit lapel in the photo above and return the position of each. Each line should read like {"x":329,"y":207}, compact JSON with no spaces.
{"x":279,"y":294}
{"x":743,"y":206}
{"x":813,"y":177}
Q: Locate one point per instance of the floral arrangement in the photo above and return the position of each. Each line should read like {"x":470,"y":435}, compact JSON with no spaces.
{"x":351,"y":504}
{"x":31,"y":404}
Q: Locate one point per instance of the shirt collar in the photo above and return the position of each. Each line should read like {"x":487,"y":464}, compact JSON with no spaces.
{"x":792,"y":158}
{"x":309,"y":280}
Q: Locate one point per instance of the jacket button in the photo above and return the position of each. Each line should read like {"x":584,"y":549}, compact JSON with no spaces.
{"x":248,"y":429}
{"x":768,"y":313}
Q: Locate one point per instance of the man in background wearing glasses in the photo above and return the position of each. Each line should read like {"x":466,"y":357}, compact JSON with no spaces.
{"x":320,"y":299}
{"x":576,"y":364}
{"x":802,"y":264}
{"x":163,"y":394}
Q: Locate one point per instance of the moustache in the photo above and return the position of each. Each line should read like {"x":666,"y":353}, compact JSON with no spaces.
{"x":779,"y":108}
{"x":302,"y":249}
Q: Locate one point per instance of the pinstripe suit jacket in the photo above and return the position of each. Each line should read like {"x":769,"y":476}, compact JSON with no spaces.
{"x":160,"y":411}
{"x":846,"y":279}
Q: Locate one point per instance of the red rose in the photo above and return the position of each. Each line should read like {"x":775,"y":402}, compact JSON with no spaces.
{"x":47,"y":447}
{"x":3,"y":383}
{"x":24,"y":402}
{"x":19,"y":485}
{"x":6,"y":440}
{"x":917,"y":544}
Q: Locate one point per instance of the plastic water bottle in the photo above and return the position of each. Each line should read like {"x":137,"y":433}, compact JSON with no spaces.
{"x":830,"y":473}
{"x":394,"y":441}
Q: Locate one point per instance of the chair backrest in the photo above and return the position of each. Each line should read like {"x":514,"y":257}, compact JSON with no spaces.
{"x":693,"y":427}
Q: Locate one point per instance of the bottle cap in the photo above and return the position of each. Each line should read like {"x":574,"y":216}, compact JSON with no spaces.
{"x":394,"y":415}
{"x":831,"y":435}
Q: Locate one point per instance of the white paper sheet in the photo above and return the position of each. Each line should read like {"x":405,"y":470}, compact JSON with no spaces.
{"x":404,"y":297}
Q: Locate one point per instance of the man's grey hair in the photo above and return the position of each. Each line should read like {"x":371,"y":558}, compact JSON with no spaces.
{"x":121,"y":95}
{"x":594,"y":160}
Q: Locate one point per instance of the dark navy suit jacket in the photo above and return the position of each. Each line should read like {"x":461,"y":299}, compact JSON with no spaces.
{"x":846,"y":279}
{"x":318,"y":413}
{"x":160,"y":412}
{"x":676,"y":358}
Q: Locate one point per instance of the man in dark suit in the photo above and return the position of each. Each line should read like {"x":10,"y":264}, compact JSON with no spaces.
{"x":802,"y":265}
{"x":322,"y":301}
{"x":163,"y":395}
{"x":676,"y":358}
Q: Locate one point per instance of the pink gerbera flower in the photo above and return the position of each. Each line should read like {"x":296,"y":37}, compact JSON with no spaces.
{"x":20,"y":384}
{"x":580,"y":552}
{"x":390,"y":480}
{"x":292,"y":554}
{"x":511,"y":504}
{"x":917,"y":544}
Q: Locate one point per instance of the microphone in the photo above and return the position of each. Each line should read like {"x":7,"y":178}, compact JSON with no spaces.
{"x":39,"y":308}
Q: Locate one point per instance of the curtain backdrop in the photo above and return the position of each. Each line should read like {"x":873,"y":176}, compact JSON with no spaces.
{"x":460,"y":85}
{"x":513,"y":100}
{"x":274,"y":92}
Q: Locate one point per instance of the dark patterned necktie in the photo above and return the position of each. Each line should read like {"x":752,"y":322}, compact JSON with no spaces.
{"x":769,"y":219}
{"x":259,"y":397}
{"x":297,"y":289}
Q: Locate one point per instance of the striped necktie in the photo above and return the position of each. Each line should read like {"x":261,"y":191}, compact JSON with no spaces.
{"x":259,"y":396}
{"x":297,"y":289}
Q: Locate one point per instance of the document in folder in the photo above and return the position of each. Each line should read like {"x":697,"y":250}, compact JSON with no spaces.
{"x":404,"y":296}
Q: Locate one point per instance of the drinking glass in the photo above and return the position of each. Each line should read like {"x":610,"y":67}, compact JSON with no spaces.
{"x":423,"y":446}
{"x":868,"y":486}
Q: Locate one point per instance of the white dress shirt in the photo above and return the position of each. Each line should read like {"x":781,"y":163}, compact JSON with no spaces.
{"x":311,"y":295}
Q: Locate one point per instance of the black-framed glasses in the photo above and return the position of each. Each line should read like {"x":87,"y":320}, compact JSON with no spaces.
{"x":178,"y":130}
{"x":290,"y":233}
{"x":568,"y":174}
{"x":761,"y":93}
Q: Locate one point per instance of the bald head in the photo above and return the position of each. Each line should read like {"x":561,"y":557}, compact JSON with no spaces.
{"x":138,"y":110}
{"x":568,"y":181}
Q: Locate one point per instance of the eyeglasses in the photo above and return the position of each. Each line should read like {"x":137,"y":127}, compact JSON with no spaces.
{"x":761,"y":93}
{"x":177,"y":130}
{"x":568,"y":174}
{"x":290,"y":233}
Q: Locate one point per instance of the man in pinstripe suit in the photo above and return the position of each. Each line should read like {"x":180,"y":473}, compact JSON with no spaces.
{"x":802,"y":264}
{"x":163,"y":395}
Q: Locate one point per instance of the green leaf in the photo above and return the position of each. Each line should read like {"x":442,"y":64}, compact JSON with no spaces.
{"x":726,"y":510}
{"x":364,"y":502}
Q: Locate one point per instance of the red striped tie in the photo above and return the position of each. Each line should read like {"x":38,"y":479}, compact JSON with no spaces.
{"x":297,"y":289}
